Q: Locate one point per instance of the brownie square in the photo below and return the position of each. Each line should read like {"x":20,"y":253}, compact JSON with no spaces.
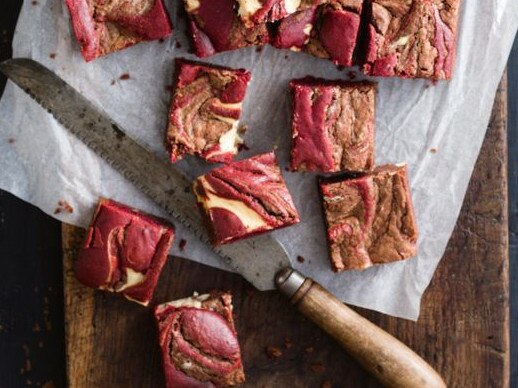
{"x":411,"y":39}
{"x":124,"y":251}
{"x":215,"y":26}
{"x":370,"y":218}
{"x":245,"y":198}
{"x":332,"y":125}
{"x":102,"y":27}
{"x":253,"y":12}
{"x":205,"y":111}
{"x":328,"y":31}
{"x":199,"y":342}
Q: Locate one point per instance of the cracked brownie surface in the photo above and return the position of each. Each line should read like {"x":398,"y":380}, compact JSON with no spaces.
{"x":205,"y":111}
{"x":245,"y":198}
{"x":199,"y":342}
{"x":124,"y":251}
{"x":105,"y":26}
{"x":332,"y":125}
{"x":370,"y":218}
{"x":411,"y":38}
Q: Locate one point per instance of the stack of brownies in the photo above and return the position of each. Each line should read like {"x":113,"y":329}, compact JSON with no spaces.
{"x":368,"y":210}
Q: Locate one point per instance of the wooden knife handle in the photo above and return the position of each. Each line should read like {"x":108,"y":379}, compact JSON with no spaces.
{"x":385,"y":357}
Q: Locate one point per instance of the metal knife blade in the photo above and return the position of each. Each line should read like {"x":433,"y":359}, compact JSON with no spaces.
{"x":256,"y":259}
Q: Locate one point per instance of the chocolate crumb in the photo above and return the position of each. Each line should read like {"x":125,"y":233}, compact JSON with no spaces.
{"x":243,"y":147}
{"x":182,"y":244}
{"x":52,"y":55}
{"x":34,"y":2}
{"x":287,"y":169}
{"x":113,"y":82}
{"x":317,"y":367}
{"x":169,"y":88}
{"x":309,"y":349}
{"x":287,"y":343}
{"x":178,"y":45}
{"x":286,"y":57}
{"x":326,"y":384}
{"x":11,"y":140}
{"x":433,"y":150}
{"x":351,"y":74}
{"x":258,"y":49}
{"x":340,"y":67}
{"x":300,"y":259}
{"x":161,"y":40}
{"x":273,"y":352}
{"x":124,"y":77}
{"x":48,"y":384}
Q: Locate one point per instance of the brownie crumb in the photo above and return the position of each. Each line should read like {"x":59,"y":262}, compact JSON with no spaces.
{"x":309,"y":349}
{"x":161,"y":40}
{"x":300,"y":259}
{"x":11,"y":140}
{"x":243,"y":147}
{"x":34,"y":2}
{"x":113,"y":82}
{"x":63,"y":207}
{"x":351,"y":74}
{"x":169,"y":88}
{"x":273,"y":352}
{"x":287,"y":343}
{"x":178,"y":45}
{"x":182,"y":244}
{"x":124,"y":77}
{"x":433,"y":150}
{"x":326,"y":384}
{"x":52,"y":55}
{"x":258,"y":49}
{"x":340,"y":67}
{"x":48,"y":384}
{"x":317,"y":367}
{"x":286,"y":57}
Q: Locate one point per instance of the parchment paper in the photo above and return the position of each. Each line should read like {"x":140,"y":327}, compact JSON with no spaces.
{"x":41,"y":163}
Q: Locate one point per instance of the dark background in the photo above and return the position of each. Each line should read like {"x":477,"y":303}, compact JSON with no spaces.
{"x":32,"y":349}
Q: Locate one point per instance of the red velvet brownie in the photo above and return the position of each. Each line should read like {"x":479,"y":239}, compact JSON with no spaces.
{"x":199,"y":342}
{"x":412,"y":38}
{"x":205,"y":111}
{"x":253,"y":12}
{"x":105,"y":26}
{"x":215,"y":26}
{"x":124,"y":251}
{"x":328,"y":31}
{"x":332,"y":125}
{"x":245,"y":198}
{"x":370,"y":218}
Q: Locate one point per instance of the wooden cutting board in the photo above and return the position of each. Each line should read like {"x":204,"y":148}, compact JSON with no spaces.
{"x":463,"y":330}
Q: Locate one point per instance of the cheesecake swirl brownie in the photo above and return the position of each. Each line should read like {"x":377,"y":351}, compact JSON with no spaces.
{"x":245,"y":198}
{"x":199,"y":342}
{"x":105,"y":26}
{"x":215,"y":26}
{"x":124,"y":251}
{"x":370,"y":218}
{"x":205,"y":111}
{"x":332,"y":125}
{"x":412,"y":38}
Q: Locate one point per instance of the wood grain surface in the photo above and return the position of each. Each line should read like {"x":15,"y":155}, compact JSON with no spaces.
{"x":463,"y":330}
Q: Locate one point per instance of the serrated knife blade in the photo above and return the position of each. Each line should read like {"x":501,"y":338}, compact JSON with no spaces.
{"x":257,"y":259}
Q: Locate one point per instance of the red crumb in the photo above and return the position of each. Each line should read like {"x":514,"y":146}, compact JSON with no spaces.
{"x":63,"y":207}
{"x":317,"y":367}
{"x":178,"y":45}
{"x":352,"y":74}
{"x":300,"y":259}
{"x":124,"y":77}
{"x":182,"y":244}
{"x":326,"y":384}
{"x":243,"y":147}
{"x":273,"y":352}
{"x":287,"y":343}
{"x":433,"y":150}
{"x":52,"y":55}
{"x":309,"y":349}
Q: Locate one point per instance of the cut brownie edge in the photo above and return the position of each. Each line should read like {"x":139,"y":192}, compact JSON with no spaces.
{"x":370,"y":218}
{"x":332,"y":125}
